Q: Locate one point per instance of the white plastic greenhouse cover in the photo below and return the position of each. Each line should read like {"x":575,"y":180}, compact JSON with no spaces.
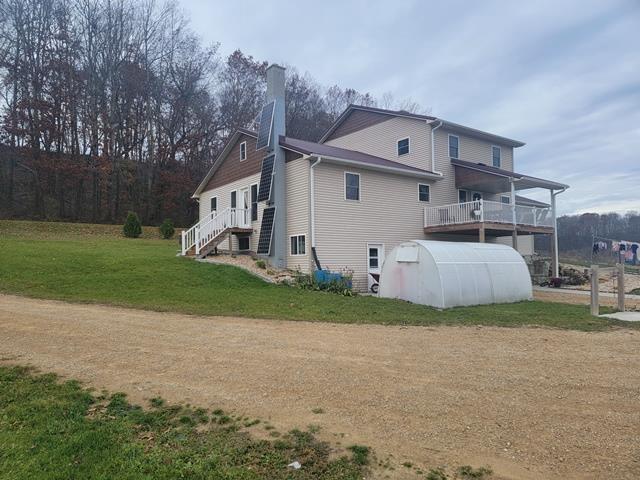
{"x":450,"y":274}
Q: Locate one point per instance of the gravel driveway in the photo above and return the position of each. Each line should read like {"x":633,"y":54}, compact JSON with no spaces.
{"x":531,"y":403}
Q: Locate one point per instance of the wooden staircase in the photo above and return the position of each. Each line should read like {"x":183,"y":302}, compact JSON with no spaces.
{"x":210,"y":231}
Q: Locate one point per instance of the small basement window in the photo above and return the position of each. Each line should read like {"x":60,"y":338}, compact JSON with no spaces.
{"x":243,"y":243}
{"x":423,"y":192}
{"x":454,"y":146}
{"x":243,"y":151}
{"x":298,"y":245}
{"x":351,"y":186}
{"x":403,"y":146}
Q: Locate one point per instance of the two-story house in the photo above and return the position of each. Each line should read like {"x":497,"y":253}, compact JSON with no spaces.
{"x":375,"y":179}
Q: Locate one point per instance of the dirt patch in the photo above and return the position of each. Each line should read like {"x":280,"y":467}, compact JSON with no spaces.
{"x":247,"y":262}
{"x":531,"y":403}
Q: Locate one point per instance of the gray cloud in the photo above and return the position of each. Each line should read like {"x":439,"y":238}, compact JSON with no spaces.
{"x":563,"y":76}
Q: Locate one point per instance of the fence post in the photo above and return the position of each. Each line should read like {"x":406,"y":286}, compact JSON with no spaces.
{"x":595,"y":290}
{"x":621,"y":287}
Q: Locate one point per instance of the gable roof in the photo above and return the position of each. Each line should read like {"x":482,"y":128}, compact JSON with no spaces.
{"x":472,"y":132}
{"x":352,"y":157}
{"x":220,"y":158}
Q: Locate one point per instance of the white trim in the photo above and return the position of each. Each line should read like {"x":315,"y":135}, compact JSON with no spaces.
{"x":245,"y":151}
{"x":499,"y":150}
{"x":345,"y":187}
{"x":449,"y":146}
{"x":408,"y":139}
{"x":382,"y":168}
{"x":428,"y":192}
{"x":312,"y":201}
{"x":298,"y":235}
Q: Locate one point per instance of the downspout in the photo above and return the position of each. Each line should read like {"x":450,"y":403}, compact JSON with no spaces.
{"x":433,"y":148}
{"x":556,"y":255}
{"x":313,"y":212}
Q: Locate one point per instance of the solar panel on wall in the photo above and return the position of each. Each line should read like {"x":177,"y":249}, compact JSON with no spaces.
{"x":266,"y":122}
{"x":266,"y":231}
{"x":264,"y":192}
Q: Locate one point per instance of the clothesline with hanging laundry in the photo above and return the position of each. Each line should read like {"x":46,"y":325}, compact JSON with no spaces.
{"x":625,"y":250}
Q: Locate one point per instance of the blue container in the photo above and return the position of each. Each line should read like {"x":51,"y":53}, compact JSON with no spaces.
{"x":325,"y":276}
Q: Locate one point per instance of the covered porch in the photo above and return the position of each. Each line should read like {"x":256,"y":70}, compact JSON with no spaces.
{"x":484,"y":218}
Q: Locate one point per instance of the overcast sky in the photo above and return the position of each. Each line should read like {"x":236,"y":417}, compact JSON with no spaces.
{"x":562,"y":76}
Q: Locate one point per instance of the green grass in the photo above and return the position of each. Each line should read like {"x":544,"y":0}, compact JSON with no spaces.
{"x":52,"y":430}
{"x":94,"y":263}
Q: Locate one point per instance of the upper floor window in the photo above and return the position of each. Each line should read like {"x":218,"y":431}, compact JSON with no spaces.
{"x":243,"y":151}
{"x":496,"y":154}
{"x":403,"y":146}
{"x":351,"y":186}
{"x":234,"y":199}
{"x":454,"y":148}
{"x":505,"y":199}
{"x":423,"y":192}
{"x":214,"y":204}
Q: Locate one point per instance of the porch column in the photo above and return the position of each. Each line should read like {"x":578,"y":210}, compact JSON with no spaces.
{"x":513,"y":202}
{"x":481,"y":234}
{"x":514,"y":238}
{"x":554,"y":236}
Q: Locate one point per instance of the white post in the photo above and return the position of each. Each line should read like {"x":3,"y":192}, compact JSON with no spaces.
{"x":595,"y":290}
{"x":184,"y":242}
{"x":513,"y":202}
{"x":481,"y":210}
{"x":197,"y":239}
{"x":556,"y":256}
{"x":621,"y":287}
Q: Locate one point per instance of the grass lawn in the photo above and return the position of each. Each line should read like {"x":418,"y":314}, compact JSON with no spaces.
{"x":52,"y":430}
{"x":94,"y":263}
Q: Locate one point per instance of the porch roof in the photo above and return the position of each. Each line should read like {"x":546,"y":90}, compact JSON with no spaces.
{"x":484,"y":178}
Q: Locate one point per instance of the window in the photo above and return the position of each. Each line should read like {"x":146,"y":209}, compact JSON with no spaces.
{"x":496,"y":154}
{"x":403,"y":146}
{"x":243,"y":151}
{"x":243,"y":243}
{"x":214,"y":204}
{"x":351,"y":186}
{"x":463,"y":196}
{"x":298,"y":245}
{"x":254,"y":202}
{"x":374,"y":257}
{"x":234,"y":198}
{"x":423,"y":192}
{"x":454,"y":149}
{"x":505,"y":199}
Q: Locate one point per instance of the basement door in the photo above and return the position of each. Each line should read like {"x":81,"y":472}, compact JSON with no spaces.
{"x":375,"y":258}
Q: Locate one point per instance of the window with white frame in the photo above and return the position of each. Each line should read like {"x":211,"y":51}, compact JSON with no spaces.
{"x":423,"y":192}
{"x":496,"y":156}
{"x":373,"y":257}
{"x":505,"y":199}
{"x":298,"y":245}
{"x":234,"y":199}
{"x":351,"y":186}
{"x":214,"y":204}
{"x":454,"y":146}
{"x":243,"y":151}
{"x":403,"y":146}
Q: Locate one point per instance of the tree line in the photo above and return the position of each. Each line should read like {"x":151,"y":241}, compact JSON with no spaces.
{"x":115,"y":105}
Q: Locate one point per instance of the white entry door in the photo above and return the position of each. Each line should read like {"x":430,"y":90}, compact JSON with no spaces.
{"x":375,"y":258}
{"x":245,"y":205}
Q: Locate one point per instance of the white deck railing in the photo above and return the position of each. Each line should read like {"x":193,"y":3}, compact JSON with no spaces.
{"x":212,"y":225}
{"x":487,"y":211}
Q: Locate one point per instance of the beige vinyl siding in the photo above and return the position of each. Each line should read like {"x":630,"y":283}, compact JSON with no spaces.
{"x":224,"y":201}
{"x":382,"y":138}
{"x":388,"y":212}
{"x":297,"y":174}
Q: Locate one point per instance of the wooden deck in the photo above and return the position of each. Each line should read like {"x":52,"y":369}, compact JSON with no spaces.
{"x":488,"y":228}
